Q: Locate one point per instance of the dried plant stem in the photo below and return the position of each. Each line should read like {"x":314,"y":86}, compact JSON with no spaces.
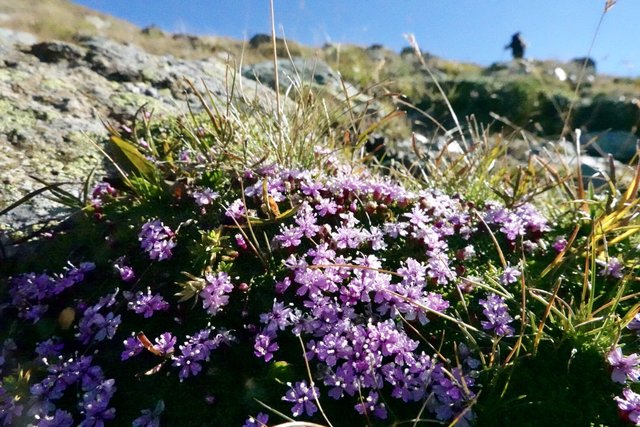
{"x":315,"y":396}
{"x":567,"y":119}
{"x":275,"y":58}
{"x":414,"y":44}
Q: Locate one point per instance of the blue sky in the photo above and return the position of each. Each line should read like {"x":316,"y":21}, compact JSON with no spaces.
{"x":465,"y":30}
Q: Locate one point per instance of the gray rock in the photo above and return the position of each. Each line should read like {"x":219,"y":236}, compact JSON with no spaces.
{"x":620,"y":144}
{"x":56,"y":51}
{"x":585,"y":61}
{"x":152,"y":30}
{"x":16,"y":37}
{"x":260,"y":39}
{"x":55,"y":96}
{"x":295,"y":73}
{"x":596,"y":170}
{"x":115,"y":61}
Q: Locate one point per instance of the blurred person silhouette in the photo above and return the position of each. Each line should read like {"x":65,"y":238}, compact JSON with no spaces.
{"x":517,"y":46}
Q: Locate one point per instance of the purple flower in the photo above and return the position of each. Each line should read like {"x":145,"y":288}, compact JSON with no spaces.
{"x":413,"y":273}
{"x":515,"y":223}
{"x":624,"y":366}
{"x":259,"y":420}
{"x":289,"y":236}
{"x":205,"y":196}
{"x":451,"y":392}
{"x":634,"y":325}
{"x":278,"y":318}
{"x":240,"y":241}
{"x":95,"y":404}
{"x":396,"y":229}
{"x":303,"y":397}
{"x":59,"y":418}
{"x":495,"y":214}
{"x":236,"y":210}
{"x":63,"y":375}
{"x":9,"y":407}
{"x":189,"y":360}
{"x":132,"y":347}
{"x":101,"y":192}
{"x":326,"y":207}
{"x":96,"y":326}
{"x":532,"y":219}
{"x":306,"y":221}
{"x":275,"y":189}
{"x":612,"y":268}
{"x":165,"y":343}
{"x":439,"y":267}
{"x":509,"y":275}
{"x":430,"y":236}
{"x":467,"y":253}
{"x":214,"y":295}
{"x":497,"y":314}
{"x":49,"y":349}
{"x":559,"y":244}
{"x":264,"y":347}
{"x":348,"y":236}
{"x":157,"y":240}
{"x":322,"y":254}
{"x":418,"y":217}
{"x":513,"y":226}
{"x":103,"y":188}
{"x":150,"y":417}
{"x":370,"y":405}
{"x":30,"y":292}
{"x":630,"y":405}
{"x":77,"y":273}
{"x":467,"y":358}
{"x":282,"y":285}
{"x":435,"y":302}
{"x":376,"y":237}
{"x":126,"y":273}
{"x":147,"y":304}
{"x":184,"y":156}
{"x":311,"y":188}
{"x":197,"y":349}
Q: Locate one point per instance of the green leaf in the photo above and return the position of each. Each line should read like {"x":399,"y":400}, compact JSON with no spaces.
{"x":143,"y":166}
{"x":281,"y":371}
{"x":31,"y":195}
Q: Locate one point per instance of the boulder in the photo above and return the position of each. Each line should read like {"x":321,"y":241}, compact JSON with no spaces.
{"x":297,"y":72}
{"x":587,"y":62}
{"x":16,"y":37}
{"x":620,"y":144}
{"x":596,"y":170}
{"x":56,"y":51}
{"x":259,"y":39}
{"x":55,"y":96}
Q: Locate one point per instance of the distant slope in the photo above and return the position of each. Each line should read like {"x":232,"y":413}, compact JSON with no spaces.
{"x":528,"y":95}
{"x":62,"y":20}
{"x":65,"y":20}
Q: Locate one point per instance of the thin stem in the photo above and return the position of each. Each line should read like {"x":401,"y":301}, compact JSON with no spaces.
{"x":313,"y":390}
{"x":275,"y":58}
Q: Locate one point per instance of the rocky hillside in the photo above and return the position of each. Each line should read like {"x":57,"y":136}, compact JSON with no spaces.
{"x":56,"y":97}
{"x":67,"y":70}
